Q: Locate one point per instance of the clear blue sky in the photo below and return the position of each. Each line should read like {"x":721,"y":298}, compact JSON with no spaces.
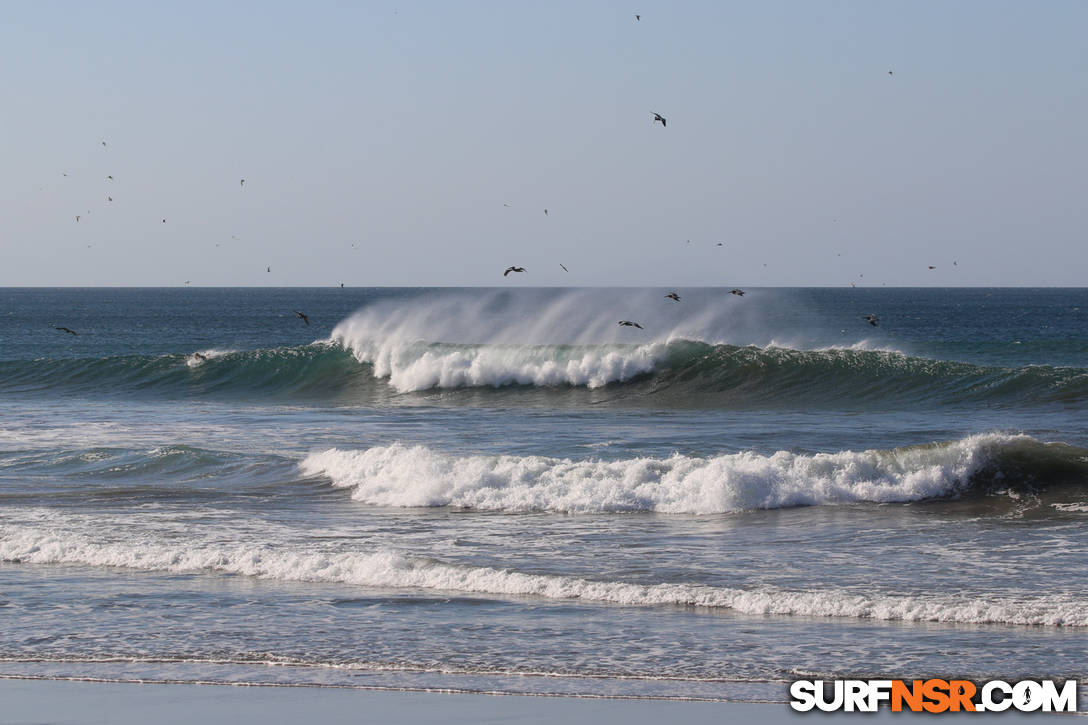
{"x":405,"y":127}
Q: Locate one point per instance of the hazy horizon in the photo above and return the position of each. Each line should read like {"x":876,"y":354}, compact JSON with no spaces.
{"x":899,"y":144}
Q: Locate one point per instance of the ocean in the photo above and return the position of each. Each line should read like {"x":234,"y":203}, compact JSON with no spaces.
{"x":503,"y":490}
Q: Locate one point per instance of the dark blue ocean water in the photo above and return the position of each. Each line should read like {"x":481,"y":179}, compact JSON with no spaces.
{"x":488,"y":489}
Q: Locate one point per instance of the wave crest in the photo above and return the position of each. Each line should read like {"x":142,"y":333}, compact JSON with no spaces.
{"x":415,"y":476}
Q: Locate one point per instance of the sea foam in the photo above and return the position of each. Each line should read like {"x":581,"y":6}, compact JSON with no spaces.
{"x":391,"y":569}
{"x":416,"y":476}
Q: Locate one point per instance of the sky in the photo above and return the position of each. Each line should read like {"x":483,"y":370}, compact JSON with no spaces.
{"x":419,"y":143}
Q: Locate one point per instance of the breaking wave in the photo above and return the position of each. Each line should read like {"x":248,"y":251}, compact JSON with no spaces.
{"x":678,"y":373}
{"x":415,"y":476}
{"x":389,"y":569}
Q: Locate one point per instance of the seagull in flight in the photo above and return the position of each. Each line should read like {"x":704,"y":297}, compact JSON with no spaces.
{"x":242,"y":182}
{"x":737,"y":292}
{"x":872,"y":319}
{"x":65,"y":329}
{"x":673,"y":296}
{"x":628,"y":323}
{"x":564,"y":267}
{"x":658,"y":117}
{"x":638,"y":17}
{"x":513,"y":269}
{"x":302,"y":317}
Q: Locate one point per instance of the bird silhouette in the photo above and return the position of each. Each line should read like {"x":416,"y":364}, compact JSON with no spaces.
{"x":302,"y":317}
{"x":658,"y":117}
{"x":673,"y":296}
{"x":628,"y":323}
{"x":65,"y":329}
{"x":564,"y":267}
{"x":737,"y":292}
{"x":871,"y":319}
{"x":513,"y":269}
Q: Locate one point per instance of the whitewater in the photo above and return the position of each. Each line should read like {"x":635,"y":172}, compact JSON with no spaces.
{"x":505,"y":490}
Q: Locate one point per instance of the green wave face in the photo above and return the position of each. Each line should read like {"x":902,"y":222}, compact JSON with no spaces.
{"x":679,"y":373}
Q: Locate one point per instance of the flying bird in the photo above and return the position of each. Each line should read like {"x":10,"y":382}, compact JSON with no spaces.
{"x":737,"y":292}
{"x":658,"y":117}
{"x":563,"y":266}
{"x":673,"y":296}
{"x":103,"y":143}
{"x":302,"y":317}
{"x":545,"y":212}
{"x":109,"y":198}
{"x":242,"y":182}
{"x":638,"y":17}
{"x":513,"y":269}
{"x":108,"y":177}
{"x":65,"y":329}
{"x":163,"y":221}
{"x":77,"y":217}
{"x":932,"y":267}
{"x":872,"y":319}
{"x":628,"y":323}
{"x":721,"y":244}
{"x":268,"y":269}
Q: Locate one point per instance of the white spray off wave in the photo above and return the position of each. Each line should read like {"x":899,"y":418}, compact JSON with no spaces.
{"x":388,"y":569}
{"x":415,"y":476}
{"x":534,"y":337}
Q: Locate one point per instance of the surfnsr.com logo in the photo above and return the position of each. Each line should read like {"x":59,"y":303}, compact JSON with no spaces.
{"x":933,"y":695}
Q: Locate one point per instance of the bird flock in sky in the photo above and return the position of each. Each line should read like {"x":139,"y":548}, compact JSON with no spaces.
{"x":674,"y":296}
{"x":872,"y":319}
